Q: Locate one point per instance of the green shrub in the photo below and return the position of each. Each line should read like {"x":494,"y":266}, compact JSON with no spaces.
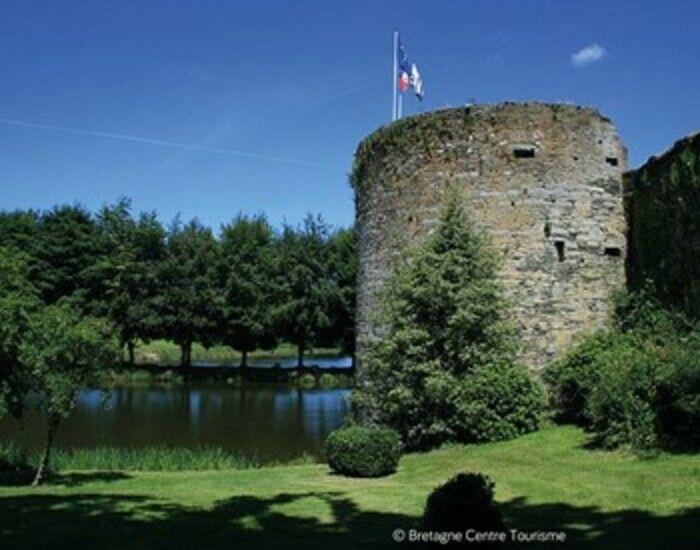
{"x":464,"y":502}
{"x":13,"y":459}
{"x":642,"y":313}
{"x":306,"y":381}
{"x":358,"y":451}
{"x":572,"y":378}
{"x":621,"y":408}
{"x":497,"y":402}
{"x":637,"y":384}
{"x":678,"y":398}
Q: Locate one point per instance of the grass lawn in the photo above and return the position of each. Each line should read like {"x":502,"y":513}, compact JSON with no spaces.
{"x":544,"y":481}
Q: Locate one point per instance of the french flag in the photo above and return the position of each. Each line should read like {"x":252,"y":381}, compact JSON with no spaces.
{"x":408,"y":74}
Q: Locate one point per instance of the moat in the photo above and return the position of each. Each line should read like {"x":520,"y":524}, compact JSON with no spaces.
{"x":265,"y":422}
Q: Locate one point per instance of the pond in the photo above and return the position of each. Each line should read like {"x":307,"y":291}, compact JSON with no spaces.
{"x":262,"y":421}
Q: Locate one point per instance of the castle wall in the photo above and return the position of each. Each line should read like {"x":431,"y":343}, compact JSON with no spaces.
{"x":544,"y":181}
{"x":662,"y":200}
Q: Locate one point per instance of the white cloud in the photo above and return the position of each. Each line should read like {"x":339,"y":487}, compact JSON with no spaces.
{"x":589,"y":54}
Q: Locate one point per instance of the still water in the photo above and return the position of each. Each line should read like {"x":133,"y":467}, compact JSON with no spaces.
{"x":285,"y":363}
{"x":264,"y":421}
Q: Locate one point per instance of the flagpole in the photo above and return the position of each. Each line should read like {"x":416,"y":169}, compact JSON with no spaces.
{"x":394,"y":78}
{"x":400,"y":114}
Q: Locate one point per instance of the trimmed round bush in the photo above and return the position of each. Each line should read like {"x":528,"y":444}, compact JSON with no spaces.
{"x":497,"y":402}
{"x":359,"y":451}
{"x":464,"y":502}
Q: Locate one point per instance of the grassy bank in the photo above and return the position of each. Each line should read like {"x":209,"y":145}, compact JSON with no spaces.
{"x":155,"y":375}
{"x":16,"y":465}
{"x":167,"y":353}
{"x":545,"y":481}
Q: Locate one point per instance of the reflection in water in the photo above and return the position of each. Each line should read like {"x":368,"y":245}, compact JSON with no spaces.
{"x":289,"y":363}
{"x":263,"y":420}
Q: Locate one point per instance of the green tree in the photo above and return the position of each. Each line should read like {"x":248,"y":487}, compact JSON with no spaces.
{"x":188,"y":303}
{"x":141,"y":288}
{"x":18,"y":300}
{"x":342,"y":271}
{"x":444,"y":368}
{"x":62,"y":351}
{"x":19,"y":230}
{"x":247,"y":277}
{"x":304,"y":293}
{"x":124,"y":282}
{"x":67,"y":247}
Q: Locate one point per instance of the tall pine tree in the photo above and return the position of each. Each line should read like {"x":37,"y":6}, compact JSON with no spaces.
{"x":445,"y":368}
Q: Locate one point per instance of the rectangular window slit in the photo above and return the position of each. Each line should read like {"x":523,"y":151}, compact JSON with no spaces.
{"x":524,"y":152}
{"x":613,"y":251}
{"x":612,"y":161}
{"x":560,"y":250}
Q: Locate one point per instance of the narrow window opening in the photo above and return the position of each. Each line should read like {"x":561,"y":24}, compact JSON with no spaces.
{"x":612,"y":161}
{"x":560,"y":250}
{"x":523,"y":152}
{"x":613,"y":251}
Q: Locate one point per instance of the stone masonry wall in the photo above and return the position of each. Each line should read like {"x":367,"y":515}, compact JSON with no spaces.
{"x":662,"y":200}
{"x":543,"y":180}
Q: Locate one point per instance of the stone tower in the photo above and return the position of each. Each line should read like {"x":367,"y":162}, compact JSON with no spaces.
{"x":544,"y":181}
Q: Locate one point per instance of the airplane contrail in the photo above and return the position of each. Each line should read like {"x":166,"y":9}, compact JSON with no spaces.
{"x":159,"y":142}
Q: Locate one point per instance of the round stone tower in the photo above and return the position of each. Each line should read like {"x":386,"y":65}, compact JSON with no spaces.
{"x":544,"y":181}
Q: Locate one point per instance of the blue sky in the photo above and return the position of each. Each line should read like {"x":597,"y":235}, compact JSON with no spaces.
{"x":297,"y":85}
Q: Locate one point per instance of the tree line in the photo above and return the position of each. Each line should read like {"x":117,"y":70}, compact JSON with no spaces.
{"x":249,"y":287}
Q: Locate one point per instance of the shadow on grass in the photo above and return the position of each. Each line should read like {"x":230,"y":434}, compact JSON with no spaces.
{"x":24,"y":477}
{"x":135,"y":521}
{"x":588,"y":524}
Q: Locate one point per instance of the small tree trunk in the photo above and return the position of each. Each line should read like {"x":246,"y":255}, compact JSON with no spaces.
{"x":40,"y":477}
{"x":244,"y":359}
{"x":300,"y":357}
{"x":130,"y":346}
{"x":186,"y":355}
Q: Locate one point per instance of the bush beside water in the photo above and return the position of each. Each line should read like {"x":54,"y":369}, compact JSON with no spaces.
{"x":363,"y":452}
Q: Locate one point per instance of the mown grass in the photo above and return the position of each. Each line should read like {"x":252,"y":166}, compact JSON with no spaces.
{"x":166,"y":352}
{"x":544,"y":481}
